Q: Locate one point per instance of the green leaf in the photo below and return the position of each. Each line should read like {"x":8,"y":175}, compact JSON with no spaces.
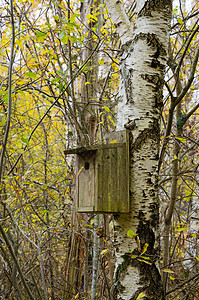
{"x":25,"y":141}
{"x":63,"y":37}
{"x":131,"y":233}
{"x":146,"y":257}
{"x":107,"y":108}
{"x":2,"y":122}
{"x":31,"y":75}
{"x":61,"y":87}
{"x":20,"y":92}
{"x":180,"y":21}
{"x":60,"y":72}
{"x":56,"y":18}
{"x":44,"y":187}
{"x":131,"y":251}
{"x":88,"y":225}
{"x":41,"y":34}
{"x":55,"y":80}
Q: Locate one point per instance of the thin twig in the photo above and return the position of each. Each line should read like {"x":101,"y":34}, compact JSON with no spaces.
{"x":181,"y":285}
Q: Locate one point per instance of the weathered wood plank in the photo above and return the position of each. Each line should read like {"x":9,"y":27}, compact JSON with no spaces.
{"x":113,"y":180}
{"x":99,"y":183}
{"x":123,"y":186}
{"x":86,"y":184}
{"x":94,"y":147}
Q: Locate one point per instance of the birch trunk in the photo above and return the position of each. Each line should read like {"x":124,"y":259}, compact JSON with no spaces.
{"x":192,"y":246}
{"x":142,"y":69}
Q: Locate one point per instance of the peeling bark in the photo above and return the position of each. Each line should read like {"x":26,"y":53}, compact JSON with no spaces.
{"x":142,"y":69}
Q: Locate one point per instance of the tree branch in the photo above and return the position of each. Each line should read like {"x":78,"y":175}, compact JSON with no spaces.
{"x":190,"y":80}
{"x":120,"y":20}
{"x":16,"y":261}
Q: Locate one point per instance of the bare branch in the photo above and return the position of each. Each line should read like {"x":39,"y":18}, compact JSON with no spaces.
{"x":120,"y":20}
{"x":190,"y":80}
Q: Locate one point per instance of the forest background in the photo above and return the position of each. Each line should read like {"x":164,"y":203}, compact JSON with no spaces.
{"x":59,"y":80}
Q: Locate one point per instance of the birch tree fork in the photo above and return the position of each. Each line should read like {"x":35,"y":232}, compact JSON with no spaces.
{"x":142,"y":67}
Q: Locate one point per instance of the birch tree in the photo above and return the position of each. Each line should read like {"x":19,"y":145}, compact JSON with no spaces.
{"x":142,"y":67}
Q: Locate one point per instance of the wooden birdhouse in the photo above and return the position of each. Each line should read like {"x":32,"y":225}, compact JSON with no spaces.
{"x":103,"y":175}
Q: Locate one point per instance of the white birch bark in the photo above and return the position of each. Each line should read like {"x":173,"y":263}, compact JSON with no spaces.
{"x":140,"y":99}
{"x":192,"y":247}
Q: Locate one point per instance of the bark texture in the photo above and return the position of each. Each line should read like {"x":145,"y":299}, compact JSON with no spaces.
{"x":140,"y":101}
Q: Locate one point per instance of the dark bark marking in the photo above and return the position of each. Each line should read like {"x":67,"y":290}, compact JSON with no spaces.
{"x":153,"y":133}
{"x":151,"y":78}
{"x":127,"y":74}
{"x":146,"y":235}
{"x":154,"y":5}
{"x":144,"y":194}
{"x":148,"y":273}
{"x":130,"y":124}
{"x":154,"y":209}
{"x":153,"y":42}
{"x":118,"y":24}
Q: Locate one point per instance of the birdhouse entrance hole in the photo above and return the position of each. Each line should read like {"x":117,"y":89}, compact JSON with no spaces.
{"x":86,"y":165}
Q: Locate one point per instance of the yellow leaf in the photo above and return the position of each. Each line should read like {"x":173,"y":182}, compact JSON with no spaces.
{"x":94,"y":37}
{"x":105,"y":241}
{"x":167,"y":271}
{"x":104,"y":252}
{"x":113,"y":142}
{"x":172,"y":278}
{"x":134,"y":256}
{"x":141,"y":295}
{"x":197,"y":257}
{"x":181,"y":229}
{"x":181,"y":139}
{"x":80,"y":170}
{"x":191,"y":235}
{"x":145,"y":248}
{"x":145,"y":261}
{"x":101,"y":62}
{"x":91,"y":18}
{"x":77,"y":296}
{"x":87,"y":82}
{"x":111,"y":120}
